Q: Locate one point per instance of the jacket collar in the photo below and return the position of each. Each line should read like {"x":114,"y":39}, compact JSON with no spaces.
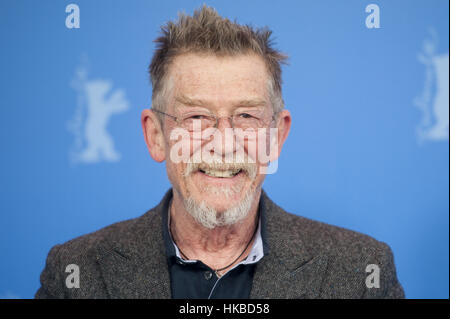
{"x":136,"y":267}
{"x":291,"y":270}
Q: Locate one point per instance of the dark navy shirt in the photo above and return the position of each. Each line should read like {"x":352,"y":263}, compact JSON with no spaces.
{"x":192,"y":279}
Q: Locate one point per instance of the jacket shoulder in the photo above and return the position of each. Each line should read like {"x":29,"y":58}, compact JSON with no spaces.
{"x":83,"y":252}
{"x":359,"y":266}
{"x":351,"y":256}
{"x":320,"y":236}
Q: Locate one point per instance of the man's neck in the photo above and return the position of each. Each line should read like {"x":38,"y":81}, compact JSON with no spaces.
{"x":215,"y":247}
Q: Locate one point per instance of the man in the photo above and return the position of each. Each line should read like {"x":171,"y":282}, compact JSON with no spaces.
{"x":216,"y":233}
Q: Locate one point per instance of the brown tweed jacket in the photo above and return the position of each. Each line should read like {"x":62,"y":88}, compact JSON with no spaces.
{"x":307,"y":259}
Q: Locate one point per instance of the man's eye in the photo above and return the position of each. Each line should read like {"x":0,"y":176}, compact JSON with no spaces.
{"x":196,"y":117}
{"x":246,"y":116}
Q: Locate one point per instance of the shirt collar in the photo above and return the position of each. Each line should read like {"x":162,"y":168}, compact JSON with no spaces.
{"x":259,"y":248}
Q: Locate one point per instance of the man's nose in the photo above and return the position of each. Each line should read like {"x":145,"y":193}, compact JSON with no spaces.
{"x":224,"y":122}
{"x":225,"y":144}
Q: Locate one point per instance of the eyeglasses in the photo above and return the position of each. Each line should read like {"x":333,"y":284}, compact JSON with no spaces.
{"x":244,"y":120}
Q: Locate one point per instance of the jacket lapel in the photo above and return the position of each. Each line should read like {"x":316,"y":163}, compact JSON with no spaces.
{"x":137,"y":267}
{"x":289,"y":270}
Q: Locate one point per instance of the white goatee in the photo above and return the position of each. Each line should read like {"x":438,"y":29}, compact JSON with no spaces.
{"x":209,"y":218}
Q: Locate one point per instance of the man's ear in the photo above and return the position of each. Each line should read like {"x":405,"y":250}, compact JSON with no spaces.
{"x":153,"y":135}
{"x":284,"y":126}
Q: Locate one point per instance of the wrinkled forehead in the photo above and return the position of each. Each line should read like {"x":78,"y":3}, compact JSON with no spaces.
{"x":220,"y":80}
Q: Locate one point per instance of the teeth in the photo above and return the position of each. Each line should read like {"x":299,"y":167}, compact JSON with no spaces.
{"x":217,"y":173}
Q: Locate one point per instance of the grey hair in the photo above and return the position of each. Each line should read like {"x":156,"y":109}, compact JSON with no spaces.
{"x":207,"y":32}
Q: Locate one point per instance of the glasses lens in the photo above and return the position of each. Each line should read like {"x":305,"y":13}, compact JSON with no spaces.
{"x":198,"y":122}
{"x":247,"y":121}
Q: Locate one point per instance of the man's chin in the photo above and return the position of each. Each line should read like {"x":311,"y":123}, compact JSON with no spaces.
{"x":219,"y":203}
{"x":213,"y":210}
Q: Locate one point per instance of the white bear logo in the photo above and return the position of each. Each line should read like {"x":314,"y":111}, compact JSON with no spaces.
{"x":434,"y":101}
{"x":97,"y":102}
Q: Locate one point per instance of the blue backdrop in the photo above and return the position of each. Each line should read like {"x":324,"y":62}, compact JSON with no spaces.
{"x":367,"y":149}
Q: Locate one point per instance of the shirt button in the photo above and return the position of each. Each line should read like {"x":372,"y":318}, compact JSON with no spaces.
{"x":207,"y":275}
{"x":179,"y":262}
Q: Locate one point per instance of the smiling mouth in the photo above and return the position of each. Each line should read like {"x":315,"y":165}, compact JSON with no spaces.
{"x":221,"y":173}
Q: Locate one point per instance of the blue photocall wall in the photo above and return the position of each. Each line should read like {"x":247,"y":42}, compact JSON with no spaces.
{"x":368,"y":149}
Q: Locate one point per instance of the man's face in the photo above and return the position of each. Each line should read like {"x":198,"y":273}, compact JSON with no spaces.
{"x":222,"y":86}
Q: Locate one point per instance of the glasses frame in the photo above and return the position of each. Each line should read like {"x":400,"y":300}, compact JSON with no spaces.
{"x":217,"y":118}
